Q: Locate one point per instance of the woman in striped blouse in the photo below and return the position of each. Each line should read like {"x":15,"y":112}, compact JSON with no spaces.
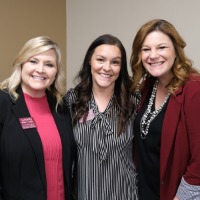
{"x":102,"y":113}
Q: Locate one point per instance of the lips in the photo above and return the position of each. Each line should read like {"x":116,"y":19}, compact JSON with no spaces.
{"x":105,"y":75}
{"x":157,"y":63}
{"x":38,"y":77}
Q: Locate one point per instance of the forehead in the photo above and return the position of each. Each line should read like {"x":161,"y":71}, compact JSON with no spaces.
{"x":157,"y":37}
{"x":107,"y":50}
{"x":48,"y":55}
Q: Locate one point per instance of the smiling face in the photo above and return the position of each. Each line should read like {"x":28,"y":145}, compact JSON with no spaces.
{"x":158,"y":54}
{"x":38,"y":73}
{"x":105,"y":66}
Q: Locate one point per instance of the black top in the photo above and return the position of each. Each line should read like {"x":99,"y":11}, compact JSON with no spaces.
{"x":148,"y":154}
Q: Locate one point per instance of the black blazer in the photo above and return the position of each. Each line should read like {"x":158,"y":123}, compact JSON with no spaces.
{"x":22,"y":172}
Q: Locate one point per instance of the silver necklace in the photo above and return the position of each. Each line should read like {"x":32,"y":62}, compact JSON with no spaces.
{"x":149,"y":116}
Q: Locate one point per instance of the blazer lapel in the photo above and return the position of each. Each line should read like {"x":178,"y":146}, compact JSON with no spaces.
{"x":170,"y":123}
{"x":20,"y":110}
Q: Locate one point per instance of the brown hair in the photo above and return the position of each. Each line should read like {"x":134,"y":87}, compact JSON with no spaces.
{"x":182,"y":67}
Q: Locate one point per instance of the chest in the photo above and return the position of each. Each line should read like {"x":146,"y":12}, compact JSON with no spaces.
{"x":101,"y":130}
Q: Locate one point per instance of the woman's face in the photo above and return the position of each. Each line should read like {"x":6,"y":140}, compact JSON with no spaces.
{"x":38,"y":73}
{"x":105,"y":66}
{"x":158,"y":54}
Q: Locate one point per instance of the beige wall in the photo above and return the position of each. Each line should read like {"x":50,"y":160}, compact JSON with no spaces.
{"x":87,"y":19}
{"x":21,"y":20}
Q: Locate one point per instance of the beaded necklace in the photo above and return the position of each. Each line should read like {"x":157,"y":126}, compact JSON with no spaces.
{"x":149,"y":116}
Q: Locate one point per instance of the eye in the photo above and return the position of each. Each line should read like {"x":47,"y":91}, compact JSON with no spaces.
{"x":100,"y":60}
{"x":145,"y":49}
{"x":33,"y":61}
{"x":162,"y":47}
{"x":116,"y":62}
{"x":49,"y":65}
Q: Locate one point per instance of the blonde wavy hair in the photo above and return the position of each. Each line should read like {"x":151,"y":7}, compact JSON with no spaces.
{"x":182,"y":66}
{"x":33,"y":47}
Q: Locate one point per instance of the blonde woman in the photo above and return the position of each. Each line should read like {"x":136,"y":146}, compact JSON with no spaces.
{"x":37,"y":143}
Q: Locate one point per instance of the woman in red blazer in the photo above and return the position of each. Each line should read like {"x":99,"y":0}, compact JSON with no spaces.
{"x":167,"y":122}
{"x":37,"y":147}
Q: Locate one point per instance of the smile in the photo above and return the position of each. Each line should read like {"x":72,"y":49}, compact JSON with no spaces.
{"x":38,"y":77}
{"x":105,"y":75}
{"x":157,"y":63}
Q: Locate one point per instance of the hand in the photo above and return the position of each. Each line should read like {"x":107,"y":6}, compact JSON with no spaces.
{"x":175,"y":198}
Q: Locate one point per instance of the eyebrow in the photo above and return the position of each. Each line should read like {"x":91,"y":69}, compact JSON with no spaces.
{"x":146,"y":45}
{"x":118,"y":57}
{"x":35,"y":58}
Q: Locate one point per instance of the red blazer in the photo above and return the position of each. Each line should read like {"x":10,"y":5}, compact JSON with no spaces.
{"x":180,"y":139}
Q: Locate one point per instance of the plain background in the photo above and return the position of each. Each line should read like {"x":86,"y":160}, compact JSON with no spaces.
{"x":21,"y":20}
{"x":88,"y":19}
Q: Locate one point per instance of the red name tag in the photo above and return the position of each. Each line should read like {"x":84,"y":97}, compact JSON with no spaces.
{"x":27,"y":123}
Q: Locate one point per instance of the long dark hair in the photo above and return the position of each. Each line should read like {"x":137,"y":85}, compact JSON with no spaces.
{"x":122,"y":85}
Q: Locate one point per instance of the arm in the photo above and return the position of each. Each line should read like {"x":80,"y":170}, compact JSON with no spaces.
{"x":1,"y":126}
{"x":187,"y":191}
{"x":189,"y":187}
{"x":1,"y":198}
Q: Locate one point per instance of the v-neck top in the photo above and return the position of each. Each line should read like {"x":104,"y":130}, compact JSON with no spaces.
{"x":148,"y":153}
{"x":106,"y":169}
{"x":52,"y":148}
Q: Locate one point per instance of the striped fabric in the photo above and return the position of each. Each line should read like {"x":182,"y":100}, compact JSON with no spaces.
{"x":105,"y":162}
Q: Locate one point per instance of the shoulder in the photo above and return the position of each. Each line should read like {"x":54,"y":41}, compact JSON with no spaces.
{"x":192,"y":86}
{"x":71,"y":96}
{"x":190,"y":92}
{"x":194,"y":79}
{"x":5,"y":98}
{"x":71,"y":92}
{"x":5,"y":104}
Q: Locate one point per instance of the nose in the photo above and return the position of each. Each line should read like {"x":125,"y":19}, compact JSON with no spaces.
{"x":153,"y":54}
{"x":106,"y":66}
{"x":40,"y":68}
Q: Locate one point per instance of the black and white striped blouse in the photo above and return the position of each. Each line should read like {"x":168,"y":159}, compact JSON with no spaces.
{"x":105,"y":162}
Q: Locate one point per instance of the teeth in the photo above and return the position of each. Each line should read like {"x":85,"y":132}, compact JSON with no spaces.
{"x":106,"y":75}
{"x":155,"y":64}
{"x":38,"y":78}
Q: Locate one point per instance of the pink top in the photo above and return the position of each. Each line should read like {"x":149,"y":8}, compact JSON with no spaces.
{"x":52,"y":147}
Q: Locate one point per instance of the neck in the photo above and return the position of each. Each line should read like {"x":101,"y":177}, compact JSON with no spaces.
{"x":102,"y":98}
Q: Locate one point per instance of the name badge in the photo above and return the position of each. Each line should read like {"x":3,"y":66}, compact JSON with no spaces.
{"x":27,"y":122}
{"x":90,"y":116}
